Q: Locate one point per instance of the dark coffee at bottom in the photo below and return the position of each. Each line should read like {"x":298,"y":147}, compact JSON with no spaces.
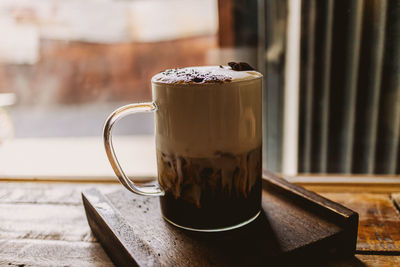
{"x":210,"y":193}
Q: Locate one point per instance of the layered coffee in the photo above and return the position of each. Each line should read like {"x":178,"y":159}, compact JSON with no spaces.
{"x":208,"y":135}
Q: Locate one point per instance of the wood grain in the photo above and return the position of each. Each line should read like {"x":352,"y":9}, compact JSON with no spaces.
{"x":367,"y":261}
{"x":51,"y":253}
{"x":379,"y":222}
{"x":396,"y":200}
{"x":31,"y":234}
{"x":44,"y":222}
{"x":296,"y":225}
{"x":48,"y":193}
{"x":352,"y":187}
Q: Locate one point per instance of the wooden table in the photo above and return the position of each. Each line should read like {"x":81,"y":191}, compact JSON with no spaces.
{"x":44,"y":224}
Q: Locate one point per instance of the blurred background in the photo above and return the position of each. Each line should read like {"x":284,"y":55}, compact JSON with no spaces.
{"x":70,"y":63}
{"x":331,"y":89}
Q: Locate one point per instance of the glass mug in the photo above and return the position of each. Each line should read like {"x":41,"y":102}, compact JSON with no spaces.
{"x":208,"y":132}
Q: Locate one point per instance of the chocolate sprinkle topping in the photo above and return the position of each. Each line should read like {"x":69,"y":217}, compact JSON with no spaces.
{"x":198,"y":79}
{"x":187,"y":75}
{"x":240,"y":66}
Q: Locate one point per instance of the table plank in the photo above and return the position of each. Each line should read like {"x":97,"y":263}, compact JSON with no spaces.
{"x":48,"y":193}
{"x":45,"y":225}
{"x":27,"y":252}
{"x":379,"y":221}
{"x":131,"y":229}
{"x":44,"y":222}
{"x":396,"y":200}
{"x":367,"y":261}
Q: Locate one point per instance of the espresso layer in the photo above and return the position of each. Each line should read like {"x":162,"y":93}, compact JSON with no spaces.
{"x":214,"y":192}
{"x":217,"y":212}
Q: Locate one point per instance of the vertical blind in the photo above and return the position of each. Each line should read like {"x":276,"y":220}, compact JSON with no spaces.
{"x":349,"y":87}
{"x":349,"y":104}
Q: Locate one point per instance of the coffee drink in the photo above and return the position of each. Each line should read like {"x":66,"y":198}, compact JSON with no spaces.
{"x":208,"y":139}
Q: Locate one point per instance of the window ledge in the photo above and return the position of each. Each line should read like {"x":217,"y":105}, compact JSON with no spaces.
{"x":80,"y":158}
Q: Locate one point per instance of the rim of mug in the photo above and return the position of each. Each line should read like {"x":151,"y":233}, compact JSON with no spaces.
{"x":206,"y":84}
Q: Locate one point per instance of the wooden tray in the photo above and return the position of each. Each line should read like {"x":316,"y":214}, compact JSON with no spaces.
{"x":296,"y":225}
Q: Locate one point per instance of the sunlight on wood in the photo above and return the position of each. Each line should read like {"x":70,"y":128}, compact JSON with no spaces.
{"x":76,"y":158}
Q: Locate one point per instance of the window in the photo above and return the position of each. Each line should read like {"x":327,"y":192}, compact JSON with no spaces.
{"x":340,"y":113}
{"x":331,"y":88}
{"x":66,"y":65}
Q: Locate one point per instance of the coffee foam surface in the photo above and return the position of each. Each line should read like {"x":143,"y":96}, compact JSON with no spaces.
{"x":204,"y":75}
{"x":202,"y":119}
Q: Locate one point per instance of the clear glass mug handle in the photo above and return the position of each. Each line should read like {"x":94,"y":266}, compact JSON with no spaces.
{"x":150,"y":190}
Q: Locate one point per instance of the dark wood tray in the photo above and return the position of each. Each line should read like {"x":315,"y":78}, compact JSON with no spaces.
{"x":296,"y":226}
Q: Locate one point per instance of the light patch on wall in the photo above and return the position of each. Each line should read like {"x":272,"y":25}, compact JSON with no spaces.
{"x":156,"y":20}
{"x":19,"y":43}
{"x":110,"y":21}
{"x":88,"y":21}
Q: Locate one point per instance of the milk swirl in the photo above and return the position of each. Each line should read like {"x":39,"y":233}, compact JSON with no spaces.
{"x":208,"y":139}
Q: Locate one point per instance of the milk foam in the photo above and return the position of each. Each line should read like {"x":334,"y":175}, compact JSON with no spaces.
{"x":203,"y":74}
{"x":202,"y":119}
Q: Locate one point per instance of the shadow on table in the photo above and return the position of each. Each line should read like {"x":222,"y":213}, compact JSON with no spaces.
{"x":257,"y":245}
{"x":353,"y":262}
{"x":269,"y":240}
{"x":251,"y":245}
